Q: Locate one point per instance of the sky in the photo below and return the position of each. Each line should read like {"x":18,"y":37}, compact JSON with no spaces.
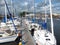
{"x":30,"y":5}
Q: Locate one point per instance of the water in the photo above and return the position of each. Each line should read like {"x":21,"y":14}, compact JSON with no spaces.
{"x":56,"y":31}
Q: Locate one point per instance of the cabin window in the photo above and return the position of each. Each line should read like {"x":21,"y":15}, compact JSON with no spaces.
{"x":35,"y":26}
{"x":47,"y":39}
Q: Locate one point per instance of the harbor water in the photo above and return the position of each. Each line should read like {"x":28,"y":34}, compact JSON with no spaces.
{"x":57,"y":30}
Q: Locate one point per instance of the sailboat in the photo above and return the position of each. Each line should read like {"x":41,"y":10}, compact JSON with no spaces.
{"x":6,"y":35}
{"x":40,"y":34}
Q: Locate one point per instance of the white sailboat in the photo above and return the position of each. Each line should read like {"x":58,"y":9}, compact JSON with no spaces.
{"x":6,"y":35}
{"x":43,"y":36}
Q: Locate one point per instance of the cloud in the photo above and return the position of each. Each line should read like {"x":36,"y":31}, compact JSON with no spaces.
{"x":55,"y":8}
{"x":2,"y":2}
{"x":36,"y":4}
{"x":22,"y":5}
{"x":26,"y":3}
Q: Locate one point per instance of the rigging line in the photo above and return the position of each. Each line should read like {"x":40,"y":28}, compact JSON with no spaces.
{"x":10,"y":15}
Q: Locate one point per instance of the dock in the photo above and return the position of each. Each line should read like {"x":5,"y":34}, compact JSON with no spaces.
{"x":27,"y":37}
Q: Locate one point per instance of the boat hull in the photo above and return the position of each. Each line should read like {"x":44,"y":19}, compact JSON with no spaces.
{"x":8,"y":39}
{"x":43,"y":37}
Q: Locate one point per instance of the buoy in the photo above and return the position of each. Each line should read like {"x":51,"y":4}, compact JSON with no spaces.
{"x":20,"y":43}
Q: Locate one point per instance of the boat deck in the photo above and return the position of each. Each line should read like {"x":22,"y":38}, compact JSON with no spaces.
{"x":27,"y":37}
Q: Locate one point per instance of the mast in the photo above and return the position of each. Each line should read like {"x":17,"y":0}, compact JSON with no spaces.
{"x":34,"y":15}
{"x":11,"y":7}
{"x":45,"y":13}
{"x":5,"y":16}
{"x":45,"y":19}
{"x":51,"y":17}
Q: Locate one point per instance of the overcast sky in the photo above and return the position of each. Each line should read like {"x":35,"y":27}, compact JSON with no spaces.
{"x":30,"y":5}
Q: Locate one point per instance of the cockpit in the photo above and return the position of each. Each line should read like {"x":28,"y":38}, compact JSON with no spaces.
{"x":35,"y":26}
